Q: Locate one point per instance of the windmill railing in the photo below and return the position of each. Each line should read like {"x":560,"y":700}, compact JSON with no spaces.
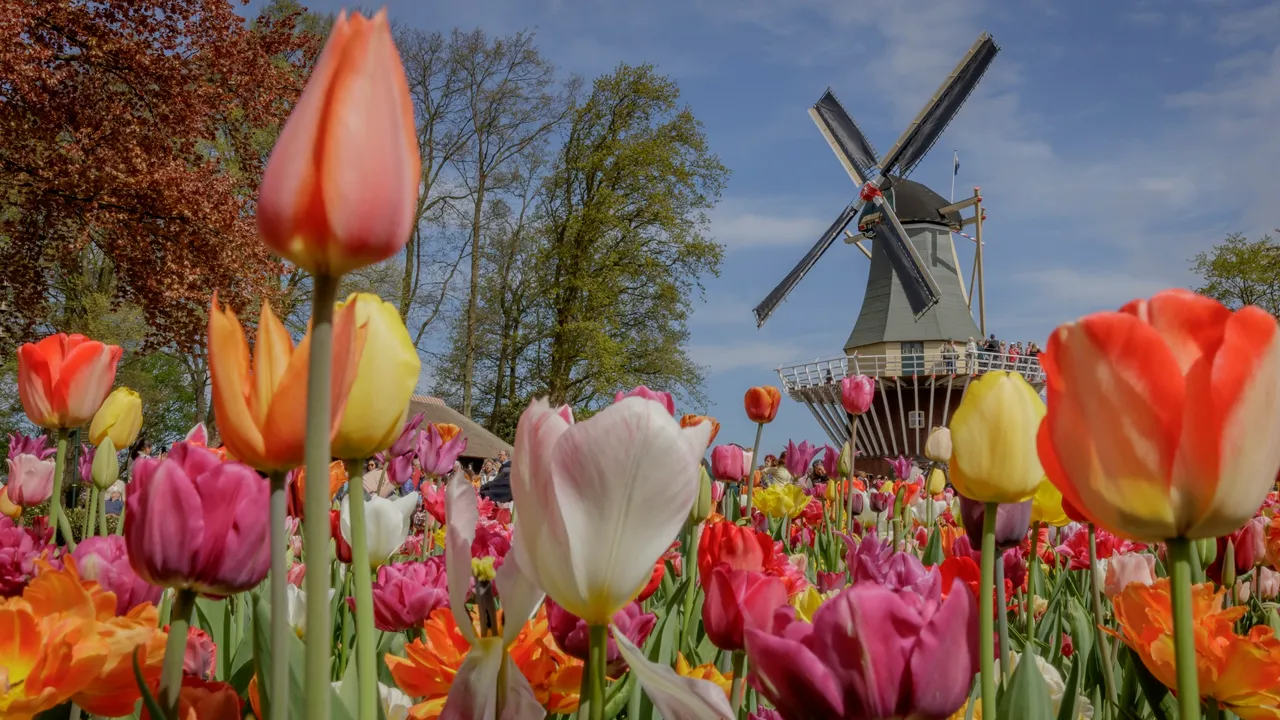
{"x":827,"y":371}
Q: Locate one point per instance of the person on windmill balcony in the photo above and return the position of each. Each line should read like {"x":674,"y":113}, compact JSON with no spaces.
{"x":950,"y":353}
{"x":971,"y":356}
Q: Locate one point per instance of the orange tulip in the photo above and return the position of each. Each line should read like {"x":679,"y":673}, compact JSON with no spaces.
{"x":1237,"y":671}
{"x":1162,"y":417}
{"x":262,"y":407}
{"x":691,"y":420}
{"x":63,"y":379}
{"x":298,"y":488}
{"x":448,"y":431}
{"x":201,"y":700}
{"x":341,"y":188}
{"x":762,"y":403}
{"x":7,"y":507}
{"x":705,"y":671}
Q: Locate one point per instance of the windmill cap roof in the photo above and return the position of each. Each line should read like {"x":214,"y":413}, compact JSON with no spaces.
{"x":917,"y":203}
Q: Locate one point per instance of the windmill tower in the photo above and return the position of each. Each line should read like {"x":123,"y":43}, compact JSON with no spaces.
{"x":916,"y":299}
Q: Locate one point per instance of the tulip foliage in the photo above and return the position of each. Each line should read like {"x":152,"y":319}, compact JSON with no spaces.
{"x":1114,"y":554}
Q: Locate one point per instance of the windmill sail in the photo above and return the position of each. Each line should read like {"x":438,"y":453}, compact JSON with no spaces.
{"x":844,"y":136}
{"x":767,"y":306}
{"x":917,"y":284}
{"x":941,"y":108}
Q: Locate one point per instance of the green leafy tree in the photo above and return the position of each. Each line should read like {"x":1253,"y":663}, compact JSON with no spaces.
{"x":1239,"y":271}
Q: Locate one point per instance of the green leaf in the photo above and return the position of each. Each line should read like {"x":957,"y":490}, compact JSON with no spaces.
{"x":1068,"y":711}
{"x":1026,"y":695}
{"x":1082,"y":630}
{"x":148,"y":699}
{"x":212,"y":617}
{"x":1152,"y":689}
{"x":933,"y":549}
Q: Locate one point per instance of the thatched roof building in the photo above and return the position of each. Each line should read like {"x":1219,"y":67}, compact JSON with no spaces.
{"x":481,"y":443}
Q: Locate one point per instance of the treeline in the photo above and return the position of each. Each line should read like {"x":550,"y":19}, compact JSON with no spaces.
{"x":561,"y":233}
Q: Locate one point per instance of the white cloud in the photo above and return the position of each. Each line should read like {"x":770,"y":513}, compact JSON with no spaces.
{"x":753,"y":353}
{"x":756,"y":222}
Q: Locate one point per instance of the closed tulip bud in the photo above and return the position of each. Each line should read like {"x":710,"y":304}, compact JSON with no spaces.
{"x":859,"y":503}
{"x":856,"y":394}
{"x":105,"y":470}
{"x":729,"y":463}
{"x":879,"y":502}
{"x":63,"y":379}
{"x":844,"y":464}
{"x":761,"y":403}
{"x":119,"y":418}
{"x":341,"y":188}
{"x":1229,"y":564}
{"x":993,"y":437}
{"x":1012,"y":522}
{"x":938,"y":447}
{"x":937,"y":481}
{"x":386,"y":375}
{"x":1208,"y":550}
{"x":1125,"y":569}
{"x":196,"y":522}
{"x":691,"y":420}
{"x":738,"y":600}
{"x":702,"y":506}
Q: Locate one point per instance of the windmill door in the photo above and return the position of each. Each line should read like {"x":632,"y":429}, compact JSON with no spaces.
{"x":912,"y":358}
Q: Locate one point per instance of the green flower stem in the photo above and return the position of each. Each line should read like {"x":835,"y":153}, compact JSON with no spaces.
{"x":280,"y":625}
{"x":175,"y":650}
{"x":366,"y":651}
{"x":853,"y":461}
{"x":102,"y":514}
{"x":986,"y":610}
{"x":738,"y":689}
{"x":57,"y":516}
{"x":1033,"y":564}
{"x":691,"y":594}
{"x":1184,"y":641}
{"x":1104,"y":647}
{"x":1002,"y":617}
{"x":751,"y":472}
{"x":316,"y":503}
{"x":598,"y":660}
{"x":120,"y":519}
{"x":90,"y":515}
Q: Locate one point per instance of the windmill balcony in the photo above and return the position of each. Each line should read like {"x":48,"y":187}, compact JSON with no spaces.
{"x":914,"y":393}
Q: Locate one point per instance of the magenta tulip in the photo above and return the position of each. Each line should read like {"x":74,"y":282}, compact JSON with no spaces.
{"x":19,"y":548}
{"x":737,"y":600}
{"x":664,"y":398}
{"x":20,"y":444}
{"x":198,"y":523}
{"x":831,"y":460}
{"x":856,"y":393}
{"x":405,"y":594}
{"x":799,"y":457}
{"x":871,"y":652}
{"x":105,"y":560}
{"x":571,"y":632}
{"x":875,"y":561}
{"x":85,"y":465}
{"x":728,"y":463}
{"x":436,"y":455}
{"x":30,"y":480}
{"x":902,"y":467}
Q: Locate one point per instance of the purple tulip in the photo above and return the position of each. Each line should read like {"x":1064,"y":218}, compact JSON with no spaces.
{"x":874,"y":561}
{"x":831,"y":460}
{"x":871,"y":652}
{"x":1012,"y":522}
{"x":665,"y":398}
{"x":198,"y":523}
{"x":405,"y":594}
{"x":437,"y":456}
{"x":20,"y":444}
{"x":799,"y":457}
{"x":858,"y":502}
{"x":105,"y":560}
{"x":856,"y":393}
{"x":901,"y":467}
{"x":85,"y":465}
{"x":880,"y":501}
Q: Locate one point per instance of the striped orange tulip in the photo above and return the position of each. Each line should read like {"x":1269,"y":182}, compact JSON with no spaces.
{"x":1163,"y":417}
{"x":762,"y":403}
{"x":63,"y":379}
{"x":261,"y":401}
{"x":691,"y":420}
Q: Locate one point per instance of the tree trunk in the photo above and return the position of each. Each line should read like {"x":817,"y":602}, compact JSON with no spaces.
{"x":469,"y":362}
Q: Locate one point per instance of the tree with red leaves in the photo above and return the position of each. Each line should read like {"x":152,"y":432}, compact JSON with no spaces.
{"x":133,"y":134}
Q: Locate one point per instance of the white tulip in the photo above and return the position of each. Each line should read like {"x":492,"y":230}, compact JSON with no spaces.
{"x":298,"y":609}
{"x":387,"y":524}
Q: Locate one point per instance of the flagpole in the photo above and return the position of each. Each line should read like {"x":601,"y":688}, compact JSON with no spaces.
{"x":955,"y":161}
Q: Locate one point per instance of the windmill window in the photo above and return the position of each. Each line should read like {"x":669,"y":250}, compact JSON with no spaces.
{"x":915,"y":419}
{"x":912,"y":358}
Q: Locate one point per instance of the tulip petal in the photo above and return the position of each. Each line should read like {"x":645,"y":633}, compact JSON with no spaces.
{"x":462,"y":514}
{"x":520,"y":596}
{"x":539,"y":429}
{"x":474,"y":690}
{"x":85,"y":380}
{"x":939,"y":688}
{"x":35,"y":383}
{"x":271,"y":355}
{"x":1115,"y":399}
{"x":1228,"y":457}
{"x":232,"y":389}
{"x":676,"y":697}
{"x":624,"y":481}
{"x":174,"y":530}
{"x":1190,"y":324}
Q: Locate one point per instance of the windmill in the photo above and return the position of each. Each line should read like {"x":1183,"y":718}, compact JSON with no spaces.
{"x":915,"y":303}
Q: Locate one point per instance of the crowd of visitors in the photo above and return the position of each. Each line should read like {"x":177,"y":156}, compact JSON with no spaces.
{"x":991,"y":354}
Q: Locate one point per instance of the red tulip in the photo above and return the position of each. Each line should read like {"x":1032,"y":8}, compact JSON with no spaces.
{"x":741,"y":548}
{"x":762,"y":403}
{"x":737,"y":600}
{"x":63,"y":379}
{"x":343,"y":549}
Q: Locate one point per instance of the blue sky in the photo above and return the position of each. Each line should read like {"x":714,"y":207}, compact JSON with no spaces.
{"x":1112,"y":139}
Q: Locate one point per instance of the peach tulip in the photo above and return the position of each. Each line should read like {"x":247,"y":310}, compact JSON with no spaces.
{"x":1124,"y":569}
{"x":341,"y":188}
{"x":1162,"y":417}
{"x":261,"y":402}
{"x":63,"y":379}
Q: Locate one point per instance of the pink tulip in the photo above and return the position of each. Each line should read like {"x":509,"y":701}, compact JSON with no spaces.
{"x":871,"y":652}
{"x":30,"y":480}
{"x":85,"y":465}
{"x":198,"y":435}
{"x":831,"y":460}
{"x":717,"y":492}
{"x":570,"y":632}
{"x":436,"y":455}
{"x":201,"y":656}
{"x":665,"y":398}
{"x":1125,"y":569}
{"x":566,"y":413}
{"x":19,"y":548}
{"x":341,"y":187}
{"x":198,"y":523}
{"x":799,"y":457}
{"x":405,"y":594}
{"x":828,"y":581}
{"x":728,"y":463}
{"x":902,"y":466}
{"x":105,"y":560}
{"x":20,"y":444}
{"x":297,"y":574}
{"x":856,"y":393}
{"x":738,"y":600}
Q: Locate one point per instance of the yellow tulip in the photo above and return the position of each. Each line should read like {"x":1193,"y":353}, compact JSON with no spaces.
{"x":993,"y":438}
{"x":385,"y":378}
{"x":791,"y":500}
{"x":1046,"y":506}
{"x":937,"y":482}
{"x":807,"y":603}
{"x":119,"y":418}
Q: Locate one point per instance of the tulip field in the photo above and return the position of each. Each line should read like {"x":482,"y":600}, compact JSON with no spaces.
{"x":1110,"y":554}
